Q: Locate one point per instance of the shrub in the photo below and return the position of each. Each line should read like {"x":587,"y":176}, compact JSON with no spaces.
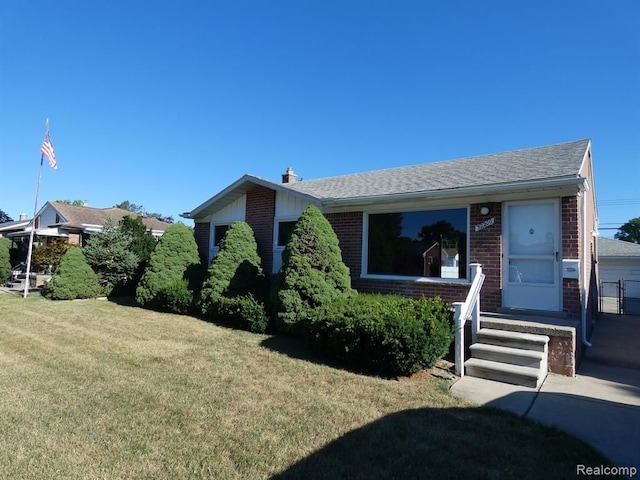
{"x":234,"y":290}
{"x":244,"y":312}
{"x":110,"y":256}
{"x":175,"y":296}
{"x":175,"y":253}
{"x":312,"y":272}
{"x":5,"y":262}
{"x":50,"y":254}
{"x":73,"y":278}
{"x":388,"y":334}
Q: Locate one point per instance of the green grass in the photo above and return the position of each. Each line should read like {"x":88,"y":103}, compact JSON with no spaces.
{"x":91,"y":389}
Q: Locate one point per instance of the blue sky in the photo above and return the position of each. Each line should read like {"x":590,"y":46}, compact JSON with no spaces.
{"x":165,"y":103}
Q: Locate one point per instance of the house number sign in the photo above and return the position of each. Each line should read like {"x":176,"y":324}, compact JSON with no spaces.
{"x":485,"y":224}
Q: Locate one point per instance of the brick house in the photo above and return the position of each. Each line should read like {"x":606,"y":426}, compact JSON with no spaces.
{"x":527,"y":216}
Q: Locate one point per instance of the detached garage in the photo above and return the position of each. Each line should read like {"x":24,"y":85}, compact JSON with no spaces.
{"x":619,"y":275}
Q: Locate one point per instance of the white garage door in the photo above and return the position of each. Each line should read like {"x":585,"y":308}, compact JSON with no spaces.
{"x":612,"y":270}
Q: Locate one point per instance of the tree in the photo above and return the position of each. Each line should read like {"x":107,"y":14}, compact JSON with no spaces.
{"x":140,"y":210}
{"x":630,"y":231}
{"x":73,"y":278}
{"x":174,"y":257}
{"x":75,"y":203}
{"x":4,"y":217}
{"x":131,"y":207}
{"x":110,"y":255}
{"x":234,"y":289}
{"x":5,"y":263}
{"x":312,"y":272}
{"x":49,"y":256}
{"x":143,"y":242}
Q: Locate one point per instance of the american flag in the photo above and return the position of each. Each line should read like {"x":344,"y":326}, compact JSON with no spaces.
{"x":47,"y":151}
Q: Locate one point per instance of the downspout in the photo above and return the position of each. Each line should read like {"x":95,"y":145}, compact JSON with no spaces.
{"x":583,"y":335}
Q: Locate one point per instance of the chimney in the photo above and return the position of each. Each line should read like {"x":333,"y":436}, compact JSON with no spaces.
{"x":23,"y":217}
{"x":289,"y":176}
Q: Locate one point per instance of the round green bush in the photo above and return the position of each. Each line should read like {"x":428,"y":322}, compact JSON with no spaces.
{"x":388,"y":334}
{"x":312,"y":273}
{"x":73,"y":278}
{"x":175,"y":253}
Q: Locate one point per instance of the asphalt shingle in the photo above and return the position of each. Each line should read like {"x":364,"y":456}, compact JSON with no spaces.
{"x":541,"y":163}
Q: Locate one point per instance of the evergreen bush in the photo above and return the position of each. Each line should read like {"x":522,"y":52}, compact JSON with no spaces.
{"x":388,"y":334}
{"x":175,"y":297}
{"x":110,"y":255}
{"x":73,"y":278}
{"x":5,"y":261}
{"x":175,"y":254}
{"x":312,"y":272}
{"x":234,"y":290}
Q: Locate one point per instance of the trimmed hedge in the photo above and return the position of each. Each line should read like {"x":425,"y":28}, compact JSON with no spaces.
{"x":387,"y":334}
{"x":175,"y":254}
{"x":312,"y":273}
{"x":73,"y":278}
{"x":235,"y":289}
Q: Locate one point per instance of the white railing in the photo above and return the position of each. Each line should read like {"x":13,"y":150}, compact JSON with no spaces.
{"x":470,"y":308}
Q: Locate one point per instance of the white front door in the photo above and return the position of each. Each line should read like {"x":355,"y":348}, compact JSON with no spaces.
{"x":531,"y":236}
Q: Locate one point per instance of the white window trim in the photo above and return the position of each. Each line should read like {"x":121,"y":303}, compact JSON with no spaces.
{"x":278,"y":249}
{"x":437,"y":280}
{"x":213,"y":248}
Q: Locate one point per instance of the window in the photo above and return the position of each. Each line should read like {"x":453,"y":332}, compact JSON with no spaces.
{"x":430,"y":243}
{"x":218,"y":233}
{"x":285,"y":229}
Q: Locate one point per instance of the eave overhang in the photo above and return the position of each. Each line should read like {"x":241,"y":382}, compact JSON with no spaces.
{"x":236,"y":190}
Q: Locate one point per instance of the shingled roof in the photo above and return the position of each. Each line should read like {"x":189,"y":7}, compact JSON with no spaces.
{"x":610,"y":248}
{"x":532,"y":168}
{"x":76,"y":217}
{"x":541,"y":163}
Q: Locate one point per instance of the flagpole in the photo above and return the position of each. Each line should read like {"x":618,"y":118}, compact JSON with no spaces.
{"x":33,"y":221}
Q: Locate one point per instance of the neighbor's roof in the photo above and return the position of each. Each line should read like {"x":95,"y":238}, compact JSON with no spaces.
{"x":542,"y":163}
{"x":608,"y":247}
{"x":559,"y":163}
{"x":78,"y":217}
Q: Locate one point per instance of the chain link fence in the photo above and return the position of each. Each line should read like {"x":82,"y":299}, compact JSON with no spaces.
{"x":610,"y":297}
{"x":621,"y":297}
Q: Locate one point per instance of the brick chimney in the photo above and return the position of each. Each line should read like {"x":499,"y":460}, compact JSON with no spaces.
{"x":289,"y":176}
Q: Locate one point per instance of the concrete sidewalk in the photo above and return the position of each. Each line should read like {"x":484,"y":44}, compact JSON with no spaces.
{"x":601,"y":405}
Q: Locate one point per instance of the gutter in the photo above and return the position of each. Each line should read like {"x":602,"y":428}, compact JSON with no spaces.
{"x":583,"y":326}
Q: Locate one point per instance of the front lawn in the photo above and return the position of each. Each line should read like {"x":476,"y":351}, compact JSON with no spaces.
{"x":91,"y":389}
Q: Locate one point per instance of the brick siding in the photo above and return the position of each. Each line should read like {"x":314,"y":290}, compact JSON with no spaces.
{"x":485,"y":247}
{"x":202,"y":232}
{"x":348,"y":228}
{"x":260,"y":213}
{"x":570,"y":219}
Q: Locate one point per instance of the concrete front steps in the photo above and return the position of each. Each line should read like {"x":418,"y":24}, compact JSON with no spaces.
{"x":509,"y":357}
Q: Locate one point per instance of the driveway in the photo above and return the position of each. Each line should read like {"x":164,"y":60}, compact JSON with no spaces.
{"x":600,"y":405}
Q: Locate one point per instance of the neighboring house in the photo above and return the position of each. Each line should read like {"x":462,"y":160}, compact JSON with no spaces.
{"x":619,"y":275}
{"x":8,"y":228}
{"x":76,"y":224}
{"x":618,"y":260}
{"x":527,"y":216}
